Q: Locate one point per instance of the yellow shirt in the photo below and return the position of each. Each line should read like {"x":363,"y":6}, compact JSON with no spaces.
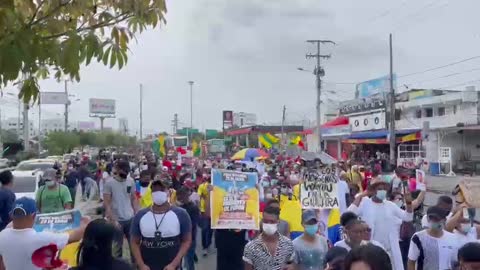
{"x":147,"y":201}
{"x":203,"y":193}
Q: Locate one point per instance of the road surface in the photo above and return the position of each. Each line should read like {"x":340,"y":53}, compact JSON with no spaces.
{"x":436,"y":186}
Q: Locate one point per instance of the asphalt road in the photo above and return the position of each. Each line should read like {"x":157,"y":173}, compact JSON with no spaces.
{"x":436,"y":186}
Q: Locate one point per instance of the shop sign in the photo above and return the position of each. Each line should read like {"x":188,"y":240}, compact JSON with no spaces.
{"x":365,"y":122}
{"x":362,"y":106}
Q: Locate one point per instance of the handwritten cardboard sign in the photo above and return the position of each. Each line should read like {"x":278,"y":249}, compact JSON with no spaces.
{"x":319,"y":190}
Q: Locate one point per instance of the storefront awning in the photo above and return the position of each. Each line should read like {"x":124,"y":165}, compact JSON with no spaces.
{"x":339,"y":121}
{"x":381,"y":137}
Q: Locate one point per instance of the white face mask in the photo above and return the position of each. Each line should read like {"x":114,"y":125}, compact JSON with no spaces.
{"x":159,"y":197}
{"x":399,"y":203}
{"x":466,"y":227}
{"x":50,"y":183}
{"x":269,"y":229}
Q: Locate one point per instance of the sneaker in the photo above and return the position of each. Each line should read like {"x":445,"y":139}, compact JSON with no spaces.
{"x":205,"y":252}
{"x":195,"y":258}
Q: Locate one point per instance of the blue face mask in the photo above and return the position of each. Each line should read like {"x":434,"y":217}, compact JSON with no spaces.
{"x":381,"y":194}
{"x":311,"y":229}
{"x":265,"y":184}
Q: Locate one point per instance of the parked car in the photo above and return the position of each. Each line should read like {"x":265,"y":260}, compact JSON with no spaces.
{"x":34,"y":165}
{"x":4,"y":163}
{"x":26,"y":183}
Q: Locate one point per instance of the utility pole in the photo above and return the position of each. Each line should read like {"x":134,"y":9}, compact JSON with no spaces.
{"x":141,"y":113}
{"x":175,"y":123}
{"x":39,"y":127}
{"x":319,"y":72}
{"x":392,"y":109}
{"x":283,"y":127}
{"x":26,"y":139}
{"x":66,"y":106}
{"x":189,"y":134}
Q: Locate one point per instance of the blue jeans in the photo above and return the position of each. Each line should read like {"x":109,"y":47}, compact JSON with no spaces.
{"x":189,"y":261}
{"x":207,"y":232}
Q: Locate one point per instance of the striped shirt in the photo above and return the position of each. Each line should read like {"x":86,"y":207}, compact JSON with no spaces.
{"x":257,"y":255}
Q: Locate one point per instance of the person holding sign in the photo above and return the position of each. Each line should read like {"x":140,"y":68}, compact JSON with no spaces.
{"x":381,"y":216}
{"x":20,"y":241}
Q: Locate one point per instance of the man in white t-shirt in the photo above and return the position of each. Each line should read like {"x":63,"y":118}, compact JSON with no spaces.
{"x":343,"y":192}
{"x":18,"y":242}
{"x":445,"y":203}
{"x":433,"y":248}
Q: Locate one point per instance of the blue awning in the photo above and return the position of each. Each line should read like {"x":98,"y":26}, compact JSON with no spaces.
{"x":377,"y":134}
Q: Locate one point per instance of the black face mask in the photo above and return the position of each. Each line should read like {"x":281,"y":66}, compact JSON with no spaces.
{"x":144,"y":184}
{"x":123,"y":175}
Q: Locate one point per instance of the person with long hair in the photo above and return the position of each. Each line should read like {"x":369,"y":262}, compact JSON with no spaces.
{"x":95,"y":250}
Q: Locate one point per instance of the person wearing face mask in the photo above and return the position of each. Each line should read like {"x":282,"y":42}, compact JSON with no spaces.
{"x":462,"y":226}
{"x":356,"y":231}
{"x":270,"y":250}
{"x":162,"y":233}
{"x":433,"y":248}
{"x":310,"y":247}
{"x":120,"y":202}
{"x":183,"y":200}
{"x":380,"y":215}
{"x":53,"y":196}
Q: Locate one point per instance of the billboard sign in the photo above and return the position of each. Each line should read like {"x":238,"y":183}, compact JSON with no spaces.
{"x":102,"y":106}
{"x":375,"y":86}
{"x":227,"y":119}
{"x":53,"y":98}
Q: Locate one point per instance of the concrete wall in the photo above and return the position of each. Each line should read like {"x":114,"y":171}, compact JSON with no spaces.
{"x":468,"y":142}
{"x":466,"y":113}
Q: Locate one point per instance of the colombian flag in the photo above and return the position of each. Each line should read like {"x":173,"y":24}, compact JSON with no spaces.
{"x":333,"y":226}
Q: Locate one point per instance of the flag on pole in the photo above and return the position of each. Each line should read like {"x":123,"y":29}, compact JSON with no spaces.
{"x":158,"y":146}
{"x":196,"y":150}
{"x":297,"y":141}
{"x":267,"y":140}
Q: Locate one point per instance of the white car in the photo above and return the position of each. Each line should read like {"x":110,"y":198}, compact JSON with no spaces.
{"x":25,"y":183}
{"x":34,"y":165}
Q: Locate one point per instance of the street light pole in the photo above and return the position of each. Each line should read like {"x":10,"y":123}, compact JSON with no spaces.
{"x":189,"y":134}
{"x":66,"y":106}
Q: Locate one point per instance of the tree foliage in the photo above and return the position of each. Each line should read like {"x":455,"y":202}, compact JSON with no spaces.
{"x":60,"y":142}
{"x":9,"y":136}
{"x":39,"y":37}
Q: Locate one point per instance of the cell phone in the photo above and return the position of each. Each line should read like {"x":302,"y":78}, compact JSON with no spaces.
{"x":465,"y":213}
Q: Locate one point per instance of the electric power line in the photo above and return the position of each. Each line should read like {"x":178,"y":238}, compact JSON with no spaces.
{"x":440,"y":67}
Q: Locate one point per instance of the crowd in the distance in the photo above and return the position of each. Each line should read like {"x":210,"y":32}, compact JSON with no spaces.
{"x":159,"y":211}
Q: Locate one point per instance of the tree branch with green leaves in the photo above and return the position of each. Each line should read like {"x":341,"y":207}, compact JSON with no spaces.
{"x":43,"y":37}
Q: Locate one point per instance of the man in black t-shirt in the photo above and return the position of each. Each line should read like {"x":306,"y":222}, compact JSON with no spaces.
{"x":183,"y":200}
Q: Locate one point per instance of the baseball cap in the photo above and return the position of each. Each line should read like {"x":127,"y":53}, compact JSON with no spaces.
{"x":23,"y":207}
{"x":437,"y":212}
{"x":308,"y":215}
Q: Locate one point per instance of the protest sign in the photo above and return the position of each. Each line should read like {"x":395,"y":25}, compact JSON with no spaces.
{"x":61,"y":222}
{"x":234,"y":200}
{"x":319,"y":190}
{"x":420,"y":176}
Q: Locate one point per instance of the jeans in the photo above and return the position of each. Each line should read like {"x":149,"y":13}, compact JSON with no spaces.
{"x":207,"y":232}
{"x":122,"y":232}
{"x":189,"y":261}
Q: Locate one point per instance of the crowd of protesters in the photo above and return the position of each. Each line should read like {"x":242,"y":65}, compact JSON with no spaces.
{"x":156,"y":205}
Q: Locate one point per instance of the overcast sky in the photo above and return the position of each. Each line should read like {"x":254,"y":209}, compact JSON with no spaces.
{"x":243,"y":56}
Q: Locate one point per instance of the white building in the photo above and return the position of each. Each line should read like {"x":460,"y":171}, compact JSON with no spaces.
{"x":243,"y":119}
{"x":11,"y":125}
{"x":446,"y":118}
{"x":52,"y":124}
